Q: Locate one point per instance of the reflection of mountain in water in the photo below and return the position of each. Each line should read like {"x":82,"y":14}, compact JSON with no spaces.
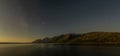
{"x":56,"y":50}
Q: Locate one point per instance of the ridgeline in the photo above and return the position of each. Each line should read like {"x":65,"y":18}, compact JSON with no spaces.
{"x":86,"y":38}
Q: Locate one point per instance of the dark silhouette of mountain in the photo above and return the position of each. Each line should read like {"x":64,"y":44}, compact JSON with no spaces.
{"x":64,"y":38}
{"x":45,"y":40}
{"x":90,"y":37}
{"x":58,"y":39}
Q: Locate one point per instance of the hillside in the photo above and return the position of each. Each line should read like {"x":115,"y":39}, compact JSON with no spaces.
{"x":91,"y":37}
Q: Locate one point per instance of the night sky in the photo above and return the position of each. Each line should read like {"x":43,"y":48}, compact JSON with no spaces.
{"x":27,"y":20}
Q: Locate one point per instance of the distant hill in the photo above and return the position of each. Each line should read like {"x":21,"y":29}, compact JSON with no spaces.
{"x":90,"y":37}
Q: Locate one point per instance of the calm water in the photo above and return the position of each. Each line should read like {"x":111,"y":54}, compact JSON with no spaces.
{"x":56,"y":50}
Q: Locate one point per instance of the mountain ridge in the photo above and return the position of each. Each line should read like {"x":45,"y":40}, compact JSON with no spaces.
{"x":90,"y":37}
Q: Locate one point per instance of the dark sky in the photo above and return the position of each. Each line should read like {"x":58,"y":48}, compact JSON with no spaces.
{"x":25,"y":20}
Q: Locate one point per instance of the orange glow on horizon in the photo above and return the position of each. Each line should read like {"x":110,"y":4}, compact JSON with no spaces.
{"x":16,"y":39}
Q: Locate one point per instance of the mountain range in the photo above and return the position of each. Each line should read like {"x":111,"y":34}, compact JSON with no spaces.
{"x":85,"y":38}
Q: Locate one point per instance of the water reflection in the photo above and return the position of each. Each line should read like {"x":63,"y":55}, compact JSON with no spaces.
{"x":56,"y":50}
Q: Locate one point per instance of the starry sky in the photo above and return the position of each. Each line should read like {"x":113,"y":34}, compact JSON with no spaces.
{"x":27,"y":20}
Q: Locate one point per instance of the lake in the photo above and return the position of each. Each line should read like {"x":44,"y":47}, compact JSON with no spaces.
{"x":56,"y":50}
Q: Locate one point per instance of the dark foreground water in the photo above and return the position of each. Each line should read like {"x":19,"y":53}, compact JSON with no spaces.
{"x":56,"y":50}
